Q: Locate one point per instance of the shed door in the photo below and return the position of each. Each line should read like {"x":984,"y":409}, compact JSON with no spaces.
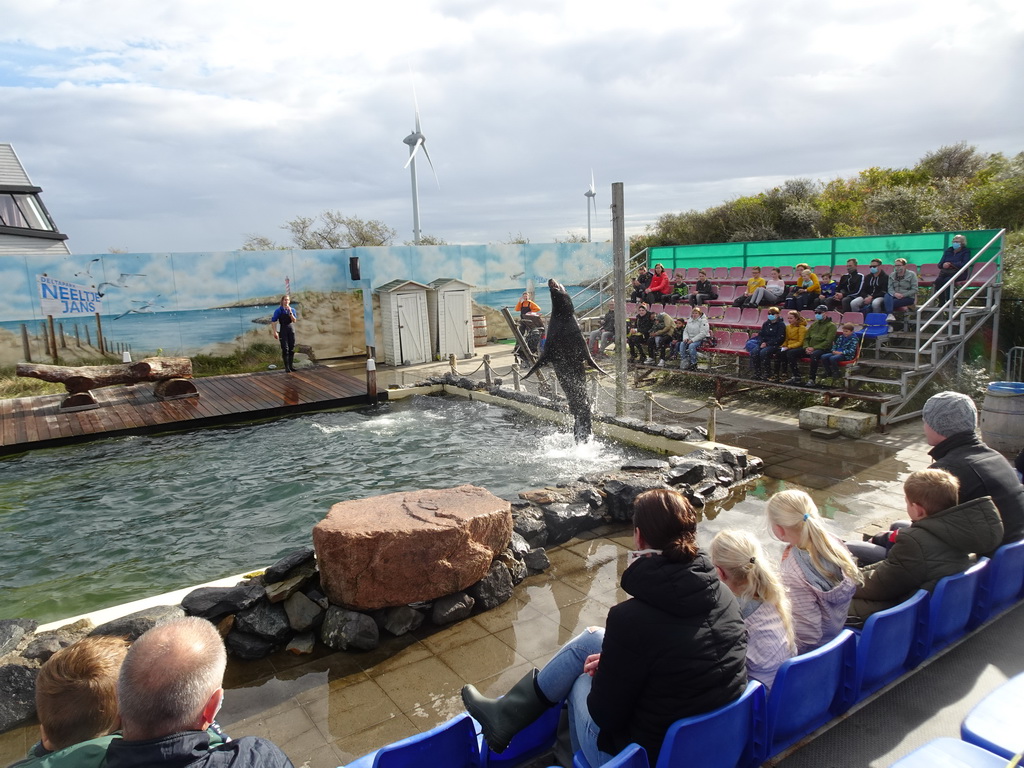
{"x":456,"y":323}
{"x":410,"y":334}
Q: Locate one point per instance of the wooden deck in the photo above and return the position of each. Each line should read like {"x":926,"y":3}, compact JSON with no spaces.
{"x":34,"y":422}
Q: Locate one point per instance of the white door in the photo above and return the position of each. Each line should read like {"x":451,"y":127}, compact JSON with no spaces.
{"x":410,"y":332}
{"x":457,"y":330}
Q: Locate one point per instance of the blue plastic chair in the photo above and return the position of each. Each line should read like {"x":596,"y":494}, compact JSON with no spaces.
{"x":995,"y":722}
{"x":884,"y":645}
{"x":633,"y":756}
{"x":1002,"y":585}
{"x":949,"y":611}
{"x":732,"y":736}
{"x":452,"y":744}
{"x":535,"y":739}
{"x":950,"y":753}
{"x":874,"y":326}
{"x":810,"y":690}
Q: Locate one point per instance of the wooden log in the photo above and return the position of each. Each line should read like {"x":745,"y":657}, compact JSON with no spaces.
{"x":85,"y":377}
{"x":174,"y":389}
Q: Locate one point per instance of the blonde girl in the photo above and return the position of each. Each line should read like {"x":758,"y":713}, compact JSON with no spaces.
{"x":817,"y":569}
{"x":743,"y":567}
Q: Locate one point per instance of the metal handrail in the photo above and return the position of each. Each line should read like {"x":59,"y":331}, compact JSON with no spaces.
{"x":600,"y":282}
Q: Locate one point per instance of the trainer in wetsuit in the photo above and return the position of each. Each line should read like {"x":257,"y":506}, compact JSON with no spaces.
{"x":286,"y":318}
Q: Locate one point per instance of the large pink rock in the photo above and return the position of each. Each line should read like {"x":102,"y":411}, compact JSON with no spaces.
{"x":406,"y":547}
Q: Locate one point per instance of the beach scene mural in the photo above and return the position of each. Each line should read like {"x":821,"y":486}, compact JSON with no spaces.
{"x":214,"y":303}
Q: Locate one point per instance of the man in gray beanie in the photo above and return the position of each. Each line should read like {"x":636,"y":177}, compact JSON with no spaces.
{"x":950,"y":426}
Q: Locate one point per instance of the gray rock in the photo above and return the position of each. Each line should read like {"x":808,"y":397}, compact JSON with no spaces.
{"x":701,"y":432}
{"x":242,"y":645}
{"x":620,"y":495}
{"x":688,"y":471}
{"x":134,"y":624}
{"x":530,"y":525}
{"x":280,"y":570}
{"x":317,"y":597}
{"x":537,"y":560}
{"x":564,"y":521}
{"x":214,"y":603}
{"x":302,"y":612}
{"x":644,"y":464}
{"x":518,"y":545}
{"x":343,"y":629}
{"x":13,"y":631}
{"x":17,"y":695}
{"x":493,"y":589}
{"x":592,"y":497}
{"x":452,"y":608}
{"x":402,"y":619}
{"x":677,"y":433}
{"x":302,"y":644}
{"x":514,"y":563}
{"x":44,"y":646}
{"x":265,"y":619}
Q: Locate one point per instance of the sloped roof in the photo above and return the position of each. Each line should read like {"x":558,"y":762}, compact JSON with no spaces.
{"x":442,"y":282}
{"x":397,"y":285}
{"x":25,"y":224}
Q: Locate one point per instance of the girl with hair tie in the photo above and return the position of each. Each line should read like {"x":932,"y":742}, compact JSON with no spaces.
{"x":817,"y":569}
{"x":676,"y":648}
{"x":743,"y":568}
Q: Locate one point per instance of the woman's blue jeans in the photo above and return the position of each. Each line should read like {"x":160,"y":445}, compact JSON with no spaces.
{"x":563,"y":677}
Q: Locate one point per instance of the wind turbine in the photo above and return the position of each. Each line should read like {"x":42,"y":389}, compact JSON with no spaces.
{"x":416,"y":140}
{"x":590,"y":194}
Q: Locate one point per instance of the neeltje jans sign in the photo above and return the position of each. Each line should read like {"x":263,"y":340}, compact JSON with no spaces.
{"x":63,"y":299}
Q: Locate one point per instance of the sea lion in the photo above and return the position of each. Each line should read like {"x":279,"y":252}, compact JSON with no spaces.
{"x":566,"y":351}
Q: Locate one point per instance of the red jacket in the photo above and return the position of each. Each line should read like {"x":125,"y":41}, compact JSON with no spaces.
{"x":660,"y":283}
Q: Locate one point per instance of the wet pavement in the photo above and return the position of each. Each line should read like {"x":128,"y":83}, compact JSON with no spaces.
{"x":326,"y":709}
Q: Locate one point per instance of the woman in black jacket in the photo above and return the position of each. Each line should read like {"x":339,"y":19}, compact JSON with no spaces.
{"x":677,"y":648}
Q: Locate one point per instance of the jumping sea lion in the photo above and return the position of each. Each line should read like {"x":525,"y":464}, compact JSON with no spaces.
{"x":566,"y":351}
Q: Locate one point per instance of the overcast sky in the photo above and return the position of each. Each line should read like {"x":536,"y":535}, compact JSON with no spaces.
{"x":185,"y":125}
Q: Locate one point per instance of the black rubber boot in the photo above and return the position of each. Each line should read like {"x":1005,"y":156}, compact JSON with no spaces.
{"x":291,"y":361}
{"x":503,"y":718}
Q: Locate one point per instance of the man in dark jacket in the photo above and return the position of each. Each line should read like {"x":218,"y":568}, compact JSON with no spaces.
{"x":850,"y":286}
{"x":950,"y":423}
{"x":169,"y":692}
{"x":872,"y":295}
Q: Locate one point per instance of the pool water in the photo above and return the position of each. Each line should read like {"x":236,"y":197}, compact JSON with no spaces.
{"x":86,"y":527}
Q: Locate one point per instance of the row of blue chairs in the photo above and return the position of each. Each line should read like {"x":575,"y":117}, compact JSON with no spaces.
{"x":809,"y":690}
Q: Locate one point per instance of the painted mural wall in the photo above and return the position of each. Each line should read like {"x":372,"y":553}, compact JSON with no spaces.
{"x":214,"y":303}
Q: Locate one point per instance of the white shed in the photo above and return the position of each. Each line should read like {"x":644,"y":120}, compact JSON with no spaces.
{"x":450,"y":308}
{"x":404,"y":324}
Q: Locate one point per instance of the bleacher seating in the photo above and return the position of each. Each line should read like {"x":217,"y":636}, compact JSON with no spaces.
{"x":533,"y":741}
{"x":633,"y":756}
{"x":883,"y":646}
{"x":720,"y":273}
{"x":1001,"y":584}
{"x":726,"y":294}
{"x":994,"y":724}
{"x":950,"y":753}
{"x":949,"y":611}
{"x":452,"y":744}
{"x":927,"y":274}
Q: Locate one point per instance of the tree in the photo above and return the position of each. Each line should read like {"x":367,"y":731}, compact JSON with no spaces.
{"x":330,"y":230}
{"x":952,"y":160}
{"x":516,"y":239}
{"x":571,"y":237}
{"x":428,"y":240}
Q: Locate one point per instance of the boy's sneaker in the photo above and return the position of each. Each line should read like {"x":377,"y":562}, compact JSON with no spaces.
{"x":796,"y":381}
{"x":661,"y":363}
{"x":890,"y":319}
{"x":649,"y":361}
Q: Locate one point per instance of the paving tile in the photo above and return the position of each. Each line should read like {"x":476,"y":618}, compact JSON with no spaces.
{"x":454,"y":635}
{"x":534,"y":637}
{"x":499,"y":684}
{"x":386,"y":659}
{"x":506,"y":614}
{"x":365,"y":741}
{"x":351,"y":709}
{"x":420,"y":685}
{"x":15,"y":744}
{"x":325,"y":755}
{"x":480,"y":659}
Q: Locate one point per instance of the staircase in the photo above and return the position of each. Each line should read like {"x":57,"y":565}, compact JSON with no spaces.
{"x":931,"y":339}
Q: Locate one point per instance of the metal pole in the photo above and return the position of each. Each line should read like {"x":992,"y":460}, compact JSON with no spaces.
{"x":619,"y":278}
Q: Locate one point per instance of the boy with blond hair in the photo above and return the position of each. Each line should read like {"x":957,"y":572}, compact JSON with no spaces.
{"x":941,"y":540}
{"x":76,"y":702}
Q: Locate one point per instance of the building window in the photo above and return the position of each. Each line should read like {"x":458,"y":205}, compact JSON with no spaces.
{"x":24,"y":211}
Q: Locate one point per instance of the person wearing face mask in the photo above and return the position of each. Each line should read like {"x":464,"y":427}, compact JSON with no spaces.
{"x":850,"y":286}
{"x":640,"y":336}
{"x":876,"y":285}
{"x":953,"y":258}
{"x":697,"y":329}
{"x":769,"y":340}
{"x":902,"y":289}
{"x":817,"y":342}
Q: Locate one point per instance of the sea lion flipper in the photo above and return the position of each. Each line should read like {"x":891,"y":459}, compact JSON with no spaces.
{"x":589,"y":360}
{"x":542,"y":360}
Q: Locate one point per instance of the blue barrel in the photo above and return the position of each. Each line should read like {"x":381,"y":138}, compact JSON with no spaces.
{"x":1002,"y":417}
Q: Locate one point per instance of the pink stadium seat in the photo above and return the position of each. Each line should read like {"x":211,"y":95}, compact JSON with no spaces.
{"x":835,"y":317}
{"x":726,"y":294}
{"x":857,"y":318}
{"x":786,"y":273}
{"x":732,"y":316}
{"x":982,"y":272}
{"x":736,"y":274}
{"x":807,"y":314}
{"x":750,"y":317}
{"x":720,"y":273}
{"x":691,"y":274}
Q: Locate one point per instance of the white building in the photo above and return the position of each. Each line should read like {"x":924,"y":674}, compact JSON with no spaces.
{"x":25,"y":224}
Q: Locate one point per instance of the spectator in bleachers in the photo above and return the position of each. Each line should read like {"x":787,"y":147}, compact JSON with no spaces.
{"x":703,"y":290}
{"x":843,"y":348}
{"x":640,"y":336}
{"x":805,"y":293}
{"x":940,"y":541}
{"x":76,"y":703}
{"x":661,"y":336}
{"x":640,"y":283}
{"x":745,"y":569}
{"x":820,"y":336}
{"x":796,"y":329}
{"x":680,"y":291}
{"x":849,"y":288}
{"x":817,"y":569}
{"x":771,"y":337}
{"x":660,"y":288}
{"x":604,"y":334}
{"x":672,"y":349}
{"x":872,"y":295}
{"x":697,"y":329}
{"x":755,"y":283}
{"x":772,"y":292}
{"x":828,"y":286}
{"x":902,"y":290}
{"x":953,"y":258}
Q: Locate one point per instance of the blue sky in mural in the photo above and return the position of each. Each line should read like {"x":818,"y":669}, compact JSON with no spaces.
{"x":185,"y":126}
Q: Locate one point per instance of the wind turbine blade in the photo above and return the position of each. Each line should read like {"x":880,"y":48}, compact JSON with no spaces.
{"x":592,"y":191}
{"x":430,"y":162}
{"x":415,"y":149}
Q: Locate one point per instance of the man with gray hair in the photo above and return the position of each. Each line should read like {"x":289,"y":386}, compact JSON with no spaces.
{"x":169,"y":692}
{"x":950,"y":426}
